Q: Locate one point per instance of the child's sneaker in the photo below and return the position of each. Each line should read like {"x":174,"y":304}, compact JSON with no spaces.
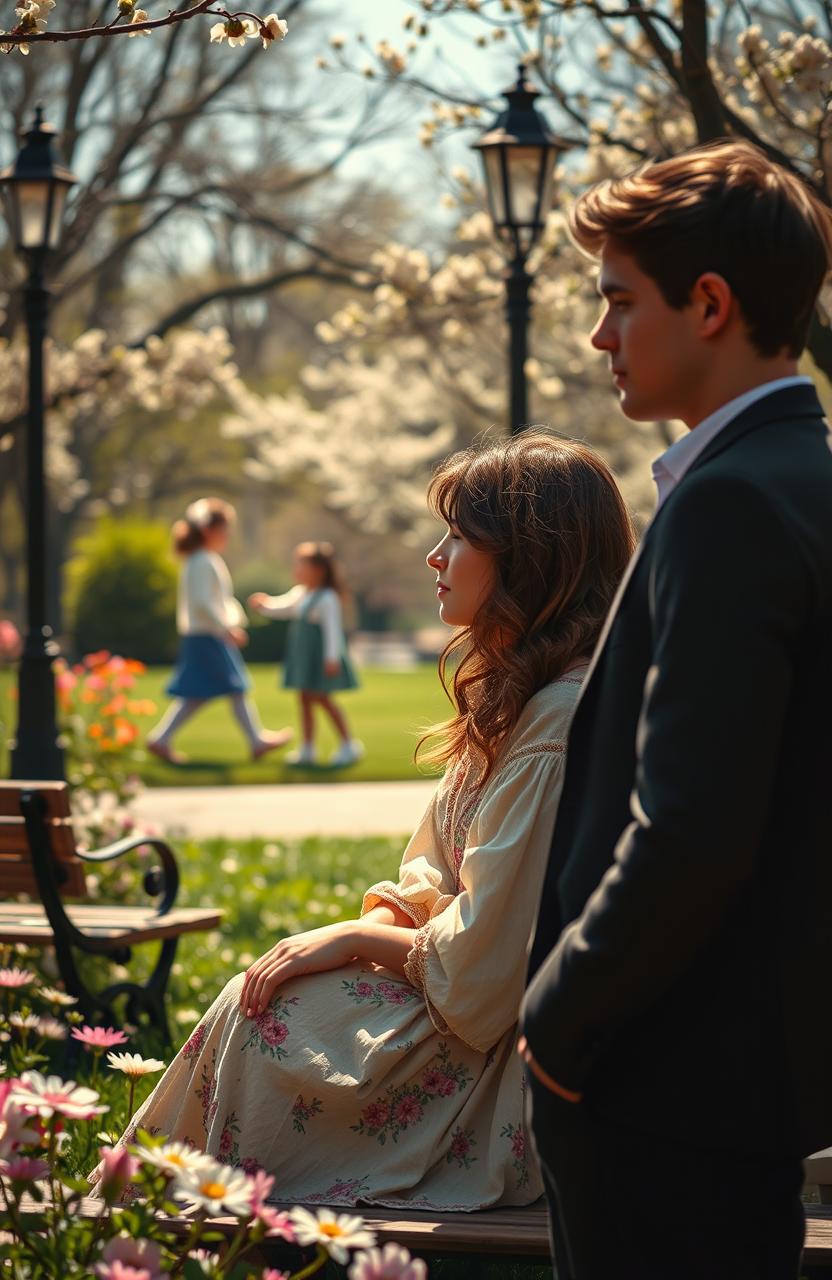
{"x":348,"y":753}
{"x":305,"y":755}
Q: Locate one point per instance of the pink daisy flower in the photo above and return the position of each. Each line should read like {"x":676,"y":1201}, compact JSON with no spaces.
{"x":47,"y":1096}
{"x":24,"y":1168}
{"x":11,"y":978}
{"x":99,"y":1037}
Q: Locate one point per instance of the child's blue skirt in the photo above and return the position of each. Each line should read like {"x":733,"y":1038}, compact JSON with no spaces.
{"x":207,"y":667}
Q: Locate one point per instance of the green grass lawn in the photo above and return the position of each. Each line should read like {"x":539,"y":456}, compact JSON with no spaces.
{"x":386,"y":713}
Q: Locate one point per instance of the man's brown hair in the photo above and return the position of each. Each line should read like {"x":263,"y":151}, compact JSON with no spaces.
{"x":726,"y":208}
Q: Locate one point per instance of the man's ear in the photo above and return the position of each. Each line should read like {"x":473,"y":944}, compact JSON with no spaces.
{"x":713,"y":300}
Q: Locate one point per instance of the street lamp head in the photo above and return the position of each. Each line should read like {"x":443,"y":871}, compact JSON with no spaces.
{"x":35,"y":187}
{"x":519,"y":154}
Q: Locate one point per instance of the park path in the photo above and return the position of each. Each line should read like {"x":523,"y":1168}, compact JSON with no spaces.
{"x":333,"y":809}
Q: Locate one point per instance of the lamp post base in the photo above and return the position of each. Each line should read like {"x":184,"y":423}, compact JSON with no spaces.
{"x":36,"y":753}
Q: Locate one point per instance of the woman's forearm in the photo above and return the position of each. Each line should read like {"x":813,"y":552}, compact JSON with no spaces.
{"x":386,"y":913}
{"x":385,"y":944}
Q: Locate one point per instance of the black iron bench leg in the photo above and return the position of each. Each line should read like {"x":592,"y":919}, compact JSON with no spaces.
{"x":149,"y":998}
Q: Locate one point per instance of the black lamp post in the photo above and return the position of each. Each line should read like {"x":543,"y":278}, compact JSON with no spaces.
{"x":36,"y":187}
{"x":519,"y":154}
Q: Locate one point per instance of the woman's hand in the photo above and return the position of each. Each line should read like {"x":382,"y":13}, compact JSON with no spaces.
{"x":256,"y":600}
{"x":330,"y":947}
{"x":332,"y":666}
{"x":237,"y":636}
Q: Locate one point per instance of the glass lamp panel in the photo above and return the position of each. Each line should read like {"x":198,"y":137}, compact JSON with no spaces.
{"x":32,"y":200}
{"x":548,"y":160}
{"x":524,"y":177}
{"x":59,"y":194}
{"x":495,"y":184}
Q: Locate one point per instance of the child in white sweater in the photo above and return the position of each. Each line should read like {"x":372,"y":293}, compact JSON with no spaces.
{"x":211,"y":624}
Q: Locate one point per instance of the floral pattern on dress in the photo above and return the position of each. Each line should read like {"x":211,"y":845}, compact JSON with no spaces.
{"x":347,"y":1191}
{"x":229,"y":1148}
{"x":270,"y":1030}
{"x":402,"y":1106}
{"x":303,"y":1111}
{"x":193,"y":1045}
{"x":207,"y":1091}
{"x":517,"y":1137}
{"x":378,"y":994}
{"x":462,"y":1140}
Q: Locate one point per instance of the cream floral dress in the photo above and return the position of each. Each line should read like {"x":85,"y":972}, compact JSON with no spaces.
{"x":358,"y":1085}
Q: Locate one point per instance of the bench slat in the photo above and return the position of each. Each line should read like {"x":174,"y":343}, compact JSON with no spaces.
{"x":123,"y":926}
{"x":520,"y":1233}
{"x":55,"y":794}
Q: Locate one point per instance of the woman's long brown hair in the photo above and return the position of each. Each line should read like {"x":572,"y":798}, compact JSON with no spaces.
{"x":549,"y":512}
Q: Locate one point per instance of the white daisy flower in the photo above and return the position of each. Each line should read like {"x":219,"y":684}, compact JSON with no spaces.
{"x":215,"y":1187}
{"x":53,"y":996}
{"x":337,"y":1232}
{"x":51,"y":1028}
{"x":174,"y":1158}
{"x":134,"y":1065}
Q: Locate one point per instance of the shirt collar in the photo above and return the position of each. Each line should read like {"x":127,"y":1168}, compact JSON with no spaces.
{"x":676,"y":461}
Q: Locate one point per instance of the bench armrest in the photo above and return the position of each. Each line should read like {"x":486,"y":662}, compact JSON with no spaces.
{"x":170,"y":871}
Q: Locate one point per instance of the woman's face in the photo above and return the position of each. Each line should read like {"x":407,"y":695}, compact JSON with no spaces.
{"x":465,"y":577}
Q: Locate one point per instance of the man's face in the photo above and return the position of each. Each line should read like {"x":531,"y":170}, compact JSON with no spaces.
{"x":656,"y":353}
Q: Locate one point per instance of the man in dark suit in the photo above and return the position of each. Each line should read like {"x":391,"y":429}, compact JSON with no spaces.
{"x":678,"y":1027}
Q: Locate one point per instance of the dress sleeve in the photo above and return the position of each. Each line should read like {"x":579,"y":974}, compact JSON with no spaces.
{"x":329,"y":613}
{"x":285,"y":606}
{"x":208,"y":599}
{"x":425,"y":882}
{"x":470,"y":958}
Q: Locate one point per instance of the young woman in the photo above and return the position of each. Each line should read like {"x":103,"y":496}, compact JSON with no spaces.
{"x":374,"y":1060}
{"x":317,"y":661}
{"x":210,"y":622}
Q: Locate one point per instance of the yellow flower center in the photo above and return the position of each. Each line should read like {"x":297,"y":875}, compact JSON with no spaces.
{"x":214,"y":1190}
{"x":331,"y":1229}
{"x":175,"y":1159}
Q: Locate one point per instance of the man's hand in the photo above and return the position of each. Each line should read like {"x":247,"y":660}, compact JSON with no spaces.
{"x":256,"y":600}
{"x":317,"y":951}
{"x":238,"y":636}
{"x":568,"y":1095}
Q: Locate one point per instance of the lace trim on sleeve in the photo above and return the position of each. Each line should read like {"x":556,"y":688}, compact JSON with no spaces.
{"x":536,"y":749}
{"x":415,"y":970}
{"x":387,"y":892}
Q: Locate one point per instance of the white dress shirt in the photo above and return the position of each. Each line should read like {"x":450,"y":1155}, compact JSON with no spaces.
{"x":676,"y":461}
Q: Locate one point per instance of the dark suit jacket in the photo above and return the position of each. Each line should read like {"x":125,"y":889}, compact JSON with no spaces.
{"x":682,"y":955}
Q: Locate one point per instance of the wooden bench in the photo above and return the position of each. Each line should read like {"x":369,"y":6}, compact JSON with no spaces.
{"x":39,"y":858}
{"x":495,"y":1235}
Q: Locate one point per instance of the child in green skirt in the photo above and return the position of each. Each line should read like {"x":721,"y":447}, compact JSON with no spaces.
{"x":317,"y":662}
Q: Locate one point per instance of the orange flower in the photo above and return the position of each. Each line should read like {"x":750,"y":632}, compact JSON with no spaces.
{"x":95,"y":730}
{"x":93,"y":660}
{"x":125,"y":732}
{"x":107,"y":744}
{"x":89,"y":695}
{"x":136,"y":667}
{"x":115,"y":705}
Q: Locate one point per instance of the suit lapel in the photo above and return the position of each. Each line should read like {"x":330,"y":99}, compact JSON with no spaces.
{"x":787,"y":404}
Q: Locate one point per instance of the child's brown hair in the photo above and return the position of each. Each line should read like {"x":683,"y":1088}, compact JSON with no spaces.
{"x":188,"y":534}
{"x":322,"y":554}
